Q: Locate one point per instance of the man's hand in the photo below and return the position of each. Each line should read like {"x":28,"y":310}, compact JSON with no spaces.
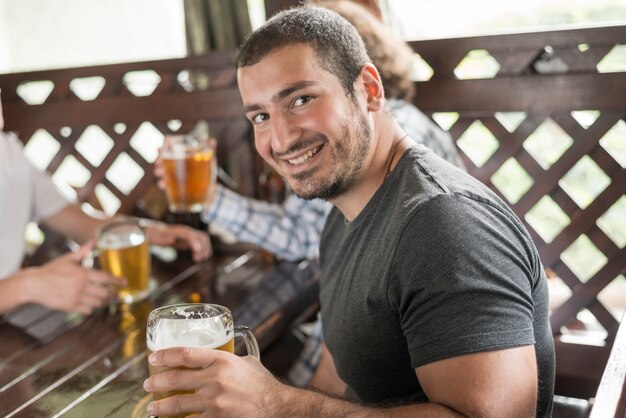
{"x":158,"y":170}
{"x":181,"y":237}
{"x":63,"y":284}
{"x":222,"y":384}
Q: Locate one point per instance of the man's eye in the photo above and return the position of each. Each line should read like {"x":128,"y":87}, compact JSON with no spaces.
{"x":261,"y":117}
{"x":302,"y":100}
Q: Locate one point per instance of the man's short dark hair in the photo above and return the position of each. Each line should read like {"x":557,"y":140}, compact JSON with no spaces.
{"x":391,"y":55}
{"x":337,"y":44}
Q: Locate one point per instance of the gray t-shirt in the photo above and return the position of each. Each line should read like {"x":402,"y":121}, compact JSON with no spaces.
{"x":435,"y":266}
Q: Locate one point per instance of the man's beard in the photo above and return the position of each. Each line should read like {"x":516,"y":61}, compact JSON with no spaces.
{"x":350,"y":154}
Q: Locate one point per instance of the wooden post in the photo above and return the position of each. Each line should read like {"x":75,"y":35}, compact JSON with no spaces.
{"x":274,"y":6}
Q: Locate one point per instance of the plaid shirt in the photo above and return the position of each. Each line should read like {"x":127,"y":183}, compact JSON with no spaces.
{"x":302,"y":371}
{"x":419,"y":127}
{"x":291,"y":231}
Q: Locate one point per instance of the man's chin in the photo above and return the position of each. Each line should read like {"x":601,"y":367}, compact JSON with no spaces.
{"x":324,"y":192}
{"x":302,"y":192}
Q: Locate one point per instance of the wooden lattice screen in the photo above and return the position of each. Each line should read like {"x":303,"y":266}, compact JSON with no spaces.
{"x":557,"y":83}
{"x":98,"y":128}
{"x":149,"y":98}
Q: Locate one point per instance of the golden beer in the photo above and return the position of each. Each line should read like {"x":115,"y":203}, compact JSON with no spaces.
{"x":228,"y":346}
{"x":124,"y":252}
{"x":193,"y":325}
{"x":190,"y":172}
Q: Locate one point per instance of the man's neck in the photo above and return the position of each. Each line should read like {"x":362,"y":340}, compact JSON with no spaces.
{"x":388,"y":145}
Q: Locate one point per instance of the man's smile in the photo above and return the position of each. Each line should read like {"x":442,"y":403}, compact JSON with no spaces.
{"x":306,"y":157}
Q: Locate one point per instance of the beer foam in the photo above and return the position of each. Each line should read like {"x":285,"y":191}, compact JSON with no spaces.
{"x":178,"y":151}
{"x":121,"y":240}
{"x":202,"y":333}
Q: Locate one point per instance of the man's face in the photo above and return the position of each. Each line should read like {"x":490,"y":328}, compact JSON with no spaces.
{"x":313,"y":133}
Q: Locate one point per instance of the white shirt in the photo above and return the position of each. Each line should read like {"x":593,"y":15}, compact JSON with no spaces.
{"x":27,"y":194}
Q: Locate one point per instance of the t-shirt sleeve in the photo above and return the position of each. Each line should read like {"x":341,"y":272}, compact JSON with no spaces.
{"x":47,"y":197}
{"x":462,"y":280}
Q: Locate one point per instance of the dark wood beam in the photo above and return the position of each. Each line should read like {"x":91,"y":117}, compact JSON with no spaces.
{"x":208,"y":105}
{"x":274,"y":6}
{"x":531,"y":93}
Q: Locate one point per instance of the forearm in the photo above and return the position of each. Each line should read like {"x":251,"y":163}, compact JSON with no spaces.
{"x":13,"y":290}
{"x":291,"y":231}
{"x":75,"y":224}
{"x":305,"y":403}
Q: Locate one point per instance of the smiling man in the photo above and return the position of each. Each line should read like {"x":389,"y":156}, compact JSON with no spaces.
{"x":433,"y":297}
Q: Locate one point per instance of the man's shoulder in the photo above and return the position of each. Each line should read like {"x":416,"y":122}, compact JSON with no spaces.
{"x":441,"y":195}
{"x":424,"y":166}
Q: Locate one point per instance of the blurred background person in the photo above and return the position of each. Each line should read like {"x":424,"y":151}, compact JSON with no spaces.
{"x":28,"y":194}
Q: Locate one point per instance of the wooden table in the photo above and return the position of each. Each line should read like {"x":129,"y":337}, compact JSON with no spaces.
{"x":55,"y":364}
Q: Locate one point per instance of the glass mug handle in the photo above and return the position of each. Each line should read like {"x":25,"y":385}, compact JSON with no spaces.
{"x":249,"y":340}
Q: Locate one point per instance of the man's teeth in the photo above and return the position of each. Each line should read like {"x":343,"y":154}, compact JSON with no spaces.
{"x":305,"y":157}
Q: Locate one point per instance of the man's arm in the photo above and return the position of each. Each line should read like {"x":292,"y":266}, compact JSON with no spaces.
{"x":490,"y":384}
{"x":81,"y":227}
{"x":75,"y":224}
{"x":500,"y":383}
{"x":290,"y":231}
{"x":326,"y":378}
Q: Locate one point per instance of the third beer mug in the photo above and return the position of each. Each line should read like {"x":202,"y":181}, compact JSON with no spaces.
{"x":190,"y":172}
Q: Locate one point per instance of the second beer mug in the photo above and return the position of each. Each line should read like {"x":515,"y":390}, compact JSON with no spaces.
{"x":123,"y":251}
{"x":190,"y":172}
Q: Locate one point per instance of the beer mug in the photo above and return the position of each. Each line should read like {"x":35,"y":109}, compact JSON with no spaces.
{"x":123,"y":250}
{"x":190,"y":172}
{"x":194,"y":325}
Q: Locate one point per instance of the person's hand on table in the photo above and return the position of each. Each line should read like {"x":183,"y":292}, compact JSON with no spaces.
{"x":64,"y":284}
{"x":223,"y":384}
{"x":180,"y":237}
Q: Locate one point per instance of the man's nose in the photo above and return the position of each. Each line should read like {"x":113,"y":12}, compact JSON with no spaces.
{"x":284,"y":134}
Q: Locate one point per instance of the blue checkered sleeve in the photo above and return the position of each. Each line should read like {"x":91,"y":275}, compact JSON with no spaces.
{"x":291,"y":231}
{"x":424,"y":131}
{"x":302,"y":371}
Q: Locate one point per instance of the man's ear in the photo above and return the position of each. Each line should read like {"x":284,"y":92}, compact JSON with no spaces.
{"x":373,"y":86}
